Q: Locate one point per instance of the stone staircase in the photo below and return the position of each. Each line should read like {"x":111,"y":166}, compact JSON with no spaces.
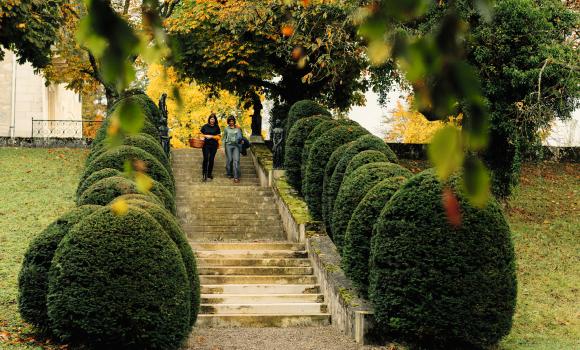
{"x":250,"y":275}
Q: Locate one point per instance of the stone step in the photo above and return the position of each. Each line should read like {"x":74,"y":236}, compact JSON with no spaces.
{"x":256,"y":279}
{"x":247,"y":246}
{"x":254,"y":270}
{"x":233,"y":230}
{"x":261,"y":298}
{"x":203,"y":262}
{"x":250,"y":254}
{"x":264,"y":309}
{"x":265,"y":223}
{"x":244,"y":181}
{"x":253,"y":289}
{"x":245,"y":320}
{"x":263,"y":214}
{"x":232,"y":207}
{"x":203,"y":190}
{"x":226,"y":198}
{"x":235,"y":236}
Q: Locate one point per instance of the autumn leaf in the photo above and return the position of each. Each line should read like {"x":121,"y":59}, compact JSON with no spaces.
{"x":451,"y":206}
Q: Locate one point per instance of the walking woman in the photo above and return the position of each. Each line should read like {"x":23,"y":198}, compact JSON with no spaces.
{"x":212,"y":134}
{"x":232,"y":142}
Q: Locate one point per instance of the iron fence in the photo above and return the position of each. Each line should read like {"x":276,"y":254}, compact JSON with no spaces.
{"x":45,"y":128}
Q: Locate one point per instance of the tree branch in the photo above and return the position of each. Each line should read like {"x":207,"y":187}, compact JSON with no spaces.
{"x":167,"y":7}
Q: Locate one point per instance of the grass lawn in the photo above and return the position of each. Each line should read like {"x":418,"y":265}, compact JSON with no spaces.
{"x":38,"y":185}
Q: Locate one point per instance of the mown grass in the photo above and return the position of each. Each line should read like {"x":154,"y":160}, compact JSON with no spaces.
{"x":36,"y":186}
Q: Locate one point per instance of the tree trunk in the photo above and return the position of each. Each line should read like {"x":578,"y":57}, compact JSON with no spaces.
{"x":257,"y":116}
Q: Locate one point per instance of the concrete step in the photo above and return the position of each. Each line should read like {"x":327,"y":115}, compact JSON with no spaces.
{"x":235,"y":236}
{"x":226,"y":199}
{"x":254,"y":279}
{"x":232,"y":207}
{"x":253,"y":289}
{"x":203,"y":262}
{"x":245,"y":320}
{"x":250,"y":254}
{"x":227,"y":223}
{"x":202,"y":190}
{"x":264,"y":309}
{"x":247,"y":246}
{"x":254,"y":270}
{"x":261,"y":298}
{"x":264,"y":214}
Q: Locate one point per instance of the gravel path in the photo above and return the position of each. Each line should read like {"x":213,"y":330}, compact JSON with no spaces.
{"x":307,"y":338}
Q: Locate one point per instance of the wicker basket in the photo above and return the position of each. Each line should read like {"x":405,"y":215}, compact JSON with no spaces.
{"x":196,"y":143}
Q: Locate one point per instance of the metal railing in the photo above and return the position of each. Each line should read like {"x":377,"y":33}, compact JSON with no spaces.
{"x":46,"y":128}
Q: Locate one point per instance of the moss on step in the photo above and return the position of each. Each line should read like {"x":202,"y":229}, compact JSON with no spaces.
{"x":295,"y":203}
{"x":348,"y":296}
{"x":264,"y":156}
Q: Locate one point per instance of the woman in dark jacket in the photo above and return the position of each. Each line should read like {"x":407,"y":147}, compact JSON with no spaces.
{"x":212,"y":134}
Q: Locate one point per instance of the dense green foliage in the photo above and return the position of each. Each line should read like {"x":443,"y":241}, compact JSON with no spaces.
{"x":330,"y":166}
{"x":100,"y":139}
{"x":174,"y":231}
{"x":304,"y":109}
{"x":116,"y":157}
{"x":118,"y":281}
{"x":293,"y":148}
{"x":353,"y":190}
{"x":143,"y":102}
{"x":357,"y":238}
{"x":314,"y":134}
{"x":33,"y":277}
{"x":364,"y":157}
{"x":319,"y":154}
{"x":334,"y":176}
{"x":93,"y":178}
{"x":437,"y":284}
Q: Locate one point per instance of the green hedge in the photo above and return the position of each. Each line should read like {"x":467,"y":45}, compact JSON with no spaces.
{"x":293,"y":149}
{"x":100,"y":139}
{"x":33,"y":277}
{"x":330,"y":166}
{"x":452,"y":287}
{"x":304,"y":109}
{"x":352,"y":191}
{"x":116,"y":157}
{"x":118,"y":281}
{"x":320,"y":152}
{"x":357,"y":238}
{"x":93,"y":178}
{"x":318,"y":131}
{"x":172,"y":228}
{"x":149,"y":197}
{"x":145,"y":104}
{"x":363,"y":158}
{"x":333,"y":179}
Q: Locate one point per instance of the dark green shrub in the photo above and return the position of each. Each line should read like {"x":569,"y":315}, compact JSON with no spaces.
{"x":318,"y":131}
{"x":320,"y":152}
{"x":95,"y":177}
{"x":363,"y":158}
{"x":172,"y":228}
{"x":116,"y":157}
{"x":352,"y":191}
{"x":143,"y":141}
{"x":449,"y":287}
{"x":304,"y":109}
{"x":145,"y":104}
{"x":334,"y":178}
{"x":149,"y":197}
{"x":33,"y":277}
{"x":357,"y":238}
{"x":101,"y":135}
{"x":330,"y":166}
{"x":293,"y":149}
{"x":119,"y":282}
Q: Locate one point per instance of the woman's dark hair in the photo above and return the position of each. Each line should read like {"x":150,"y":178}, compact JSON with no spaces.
{"x":212,"y":116}
{"x":231,"y":117}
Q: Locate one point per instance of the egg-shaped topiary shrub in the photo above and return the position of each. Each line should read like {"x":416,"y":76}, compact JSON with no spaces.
{"x":116,"y":157}
{"x":357,"y":238}
{"x":119,"y":282}
{"x":363,"y":158}
{"x":293,"y":148}
{"x":95,"y":177}
{"x":304,"y":109}
{"x":33,"y":276}
{"x":320,"y":152}
{"x":143,"y":102}
{"x":330,"y":166}
{"x":352,"y":191}
{"x":100,"y":139}
{"x":142,"y":141}
{"x":437,"y":284}
{"x":333,"y":179}
{"x":172,"y":228}
{"x":318,"y":131}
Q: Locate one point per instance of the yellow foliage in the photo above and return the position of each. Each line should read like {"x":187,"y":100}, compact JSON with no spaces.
{"x":410,"y":126}
{"x":185,"y":121}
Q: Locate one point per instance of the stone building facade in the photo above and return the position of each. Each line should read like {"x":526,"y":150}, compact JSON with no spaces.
{"x":25,"y":96}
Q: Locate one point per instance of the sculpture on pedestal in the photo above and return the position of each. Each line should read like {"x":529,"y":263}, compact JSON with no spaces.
{"x":163,"y":128}
{"x":277,"y":147}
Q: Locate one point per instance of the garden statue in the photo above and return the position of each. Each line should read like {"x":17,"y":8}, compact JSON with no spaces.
{"x":163,"y":108}
{"x":163,"y":128}
{"x":277,"y":138}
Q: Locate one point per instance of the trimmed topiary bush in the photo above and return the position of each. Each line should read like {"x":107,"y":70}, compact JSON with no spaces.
{"x":145,"y":104}
{"x":116,"y":157}
{"x":352,"y":191}
{"x":334,"y":179}
{"x":95,"y":177}
{"x":363,"y":158}
{"x":33,"y":277}
{"x":172,"y":228}
{"x":435,"y":284}
{"x":357,"y":238}
{"x":318,"y":131}
{"x":304,"y":109}
{"x":320,"y":152}
{"x":293,"y":150}
{"x":330,"y":166}
{"x":101,"y":135}
{"x":149,"y":197}
{"x":119,"y":282}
